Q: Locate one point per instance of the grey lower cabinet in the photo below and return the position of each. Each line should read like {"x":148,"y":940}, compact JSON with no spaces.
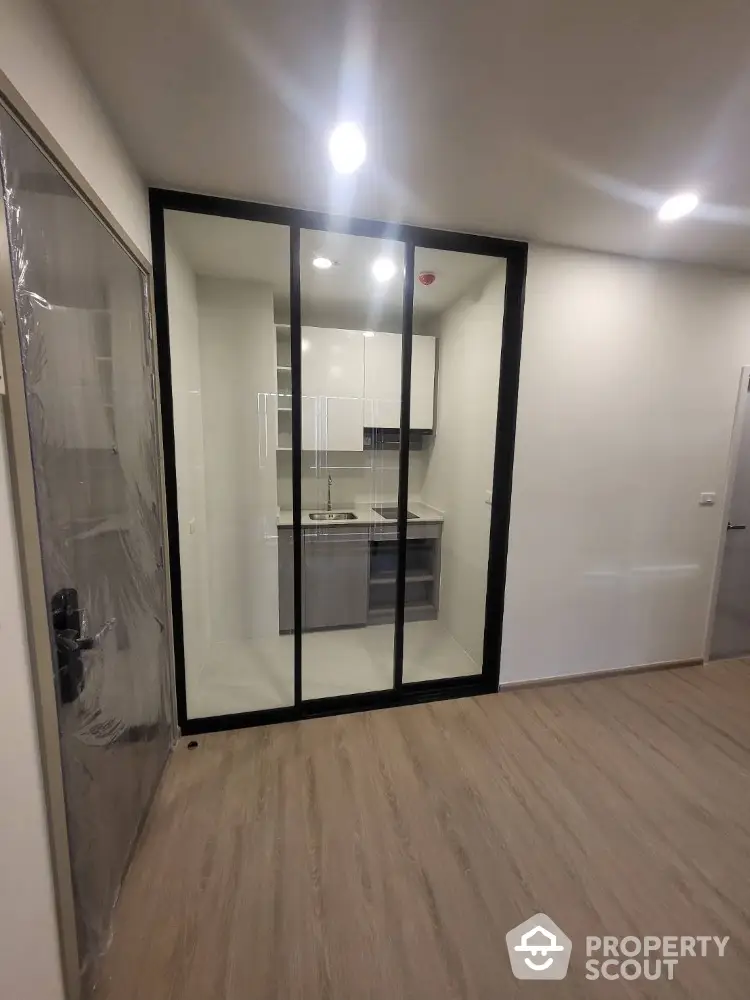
{"x":286,"y":580}
{"x":349,"y":575}
{"x":335,"y":577}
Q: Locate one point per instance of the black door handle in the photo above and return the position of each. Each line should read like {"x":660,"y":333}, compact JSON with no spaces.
{"x":69,"y":642}
{"x":735,"y":527}
{"x":70,"y":626}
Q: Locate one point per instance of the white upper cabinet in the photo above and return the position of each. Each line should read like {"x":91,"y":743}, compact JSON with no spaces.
{"x":382,"y":354}
{"x":311,"y":437}
{"x":333,"y":365}
{"x":422,"y":383}
{"x":351,"y":381}
{"x":383,"y":380}
{"x":341,"y":422}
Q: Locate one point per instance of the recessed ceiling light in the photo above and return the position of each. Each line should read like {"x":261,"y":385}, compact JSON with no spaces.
{"x":347,"y":147}
{"x":678,"y":206}
{"x":383,"y":269}
{"x":322,"y":263}
{"x":368,"y":333}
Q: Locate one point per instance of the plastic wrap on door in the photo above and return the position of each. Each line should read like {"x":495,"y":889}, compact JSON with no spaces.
{"x":81,"y":305}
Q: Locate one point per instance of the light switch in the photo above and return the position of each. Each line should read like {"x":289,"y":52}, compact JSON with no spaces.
{"x":708,"y":499}
{"x":488,"y":497}
{"x":191,"y":526}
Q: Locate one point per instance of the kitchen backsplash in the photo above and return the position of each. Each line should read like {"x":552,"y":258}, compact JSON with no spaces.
{"x":358,"y":477}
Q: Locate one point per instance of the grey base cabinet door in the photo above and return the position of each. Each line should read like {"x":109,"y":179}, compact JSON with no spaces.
{"x":286,"y":580}
{"x":336,"y":576}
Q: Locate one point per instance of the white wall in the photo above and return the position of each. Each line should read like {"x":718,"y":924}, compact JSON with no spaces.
{"x":459,"y":473}
{"x":184,"y":344}
{"x":30,"y":965}
{"x":238,"y":375}
{"x":37,"y":62}
{"x":629,"y":377}
{"x":358,"y":477}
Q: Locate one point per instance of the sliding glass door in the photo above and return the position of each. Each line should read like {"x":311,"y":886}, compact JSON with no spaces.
{"x":352,"y":294}
{"x":339,"y":403}
{"x":228,"y":309}
{"x":455,"y":371}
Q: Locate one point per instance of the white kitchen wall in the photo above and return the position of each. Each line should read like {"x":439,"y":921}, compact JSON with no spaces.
{"x":629,"y":378}
{"x":358,"y":477}
{"x":459,"y":472}
{"x":184,"y":343}
{"x":35,"y":63}
{"x":238,"y":375}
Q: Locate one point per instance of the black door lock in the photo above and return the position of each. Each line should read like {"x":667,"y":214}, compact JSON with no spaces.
{"x":66,"y":626}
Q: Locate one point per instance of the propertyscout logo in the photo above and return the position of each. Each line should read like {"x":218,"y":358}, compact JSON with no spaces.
{"x":539,"y":949}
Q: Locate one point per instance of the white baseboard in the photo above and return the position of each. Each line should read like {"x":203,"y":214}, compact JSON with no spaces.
{"x":594,"y":674}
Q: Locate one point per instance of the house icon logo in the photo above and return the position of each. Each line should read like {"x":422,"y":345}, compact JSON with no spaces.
{"x":538,"y":949}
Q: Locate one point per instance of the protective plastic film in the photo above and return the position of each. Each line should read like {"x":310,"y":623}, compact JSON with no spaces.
{"x":80,"y":303}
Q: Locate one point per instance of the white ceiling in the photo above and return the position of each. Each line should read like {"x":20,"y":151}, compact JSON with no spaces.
{"x":254,"y":251}
{"x":559,"y":120}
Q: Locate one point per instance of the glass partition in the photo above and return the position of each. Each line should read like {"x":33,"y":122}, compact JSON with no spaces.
{"x":228,"y":299}
{"x":456,"y":346}
{"x":290,"y":344}
{"x":351,"y":309}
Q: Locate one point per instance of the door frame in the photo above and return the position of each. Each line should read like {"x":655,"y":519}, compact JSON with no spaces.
{"x":743,"y":400}
{"x":13,"y":406}
{"x":37,"y":622}
{"x":515,"y":254}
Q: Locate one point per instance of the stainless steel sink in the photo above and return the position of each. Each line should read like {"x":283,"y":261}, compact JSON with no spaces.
{"x":332,"y":515}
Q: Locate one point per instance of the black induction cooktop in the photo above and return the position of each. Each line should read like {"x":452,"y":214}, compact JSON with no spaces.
{"x":391,"y":512}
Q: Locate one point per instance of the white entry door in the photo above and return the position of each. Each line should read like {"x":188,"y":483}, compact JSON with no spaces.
{"x":731,"y":630}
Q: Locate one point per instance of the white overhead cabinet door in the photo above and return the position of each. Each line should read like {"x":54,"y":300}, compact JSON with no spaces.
{"x":311,"y":438}
{"x":422,"y":383}
{"x":383,"y":381}
{"x":333,"y":385}
{"x":351,"y":381}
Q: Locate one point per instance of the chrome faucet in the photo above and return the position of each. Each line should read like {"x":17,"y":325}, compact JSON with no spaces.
{"x":330,"y":484}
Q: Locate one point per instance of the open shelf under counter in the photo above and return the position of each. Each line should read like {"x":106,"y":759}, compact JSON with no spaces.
{"x":388,"y":578}
{"x":422,"y":578}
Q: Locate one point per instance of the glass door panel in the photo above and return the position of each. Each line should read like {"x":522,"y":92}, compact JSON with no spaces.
{"x":81,"y":306}
{"x":351,"y":308}
{"x":457,"y":339}
{"x":228,"y":299}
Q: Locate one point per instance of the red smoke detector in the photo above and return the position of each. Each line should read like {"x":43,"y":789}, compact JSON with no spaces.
{"x":426,"y":277}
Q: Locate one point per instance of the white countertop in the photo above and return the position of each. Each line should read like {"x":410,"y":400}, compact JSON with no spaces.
{"x":366,"y":515}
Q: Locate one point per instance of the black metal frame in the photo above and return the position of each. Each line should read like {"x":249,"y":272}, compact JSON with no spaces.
{"x":515,"y":253}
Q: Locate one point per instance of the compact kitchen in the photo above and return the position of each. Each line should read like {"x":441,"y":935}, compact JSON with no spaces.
{"x":232,"y":385}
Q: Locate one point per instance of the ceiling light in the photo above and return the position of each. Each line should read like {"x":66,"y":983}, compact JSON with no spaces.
{"x":322,"y":263}
{"x":368,"y":333}
{"x":678,"y":206}
{"x":347,"y":147}
{"x":383,"y":269}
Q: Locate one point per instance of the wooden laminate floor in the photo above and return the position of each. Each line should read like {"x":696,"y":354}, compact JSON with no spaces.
{"x":386,"y":855}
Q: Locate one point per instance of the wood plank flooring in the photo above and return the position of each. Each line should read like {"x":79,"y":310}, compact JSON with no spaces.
{"x":385,"y":855}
